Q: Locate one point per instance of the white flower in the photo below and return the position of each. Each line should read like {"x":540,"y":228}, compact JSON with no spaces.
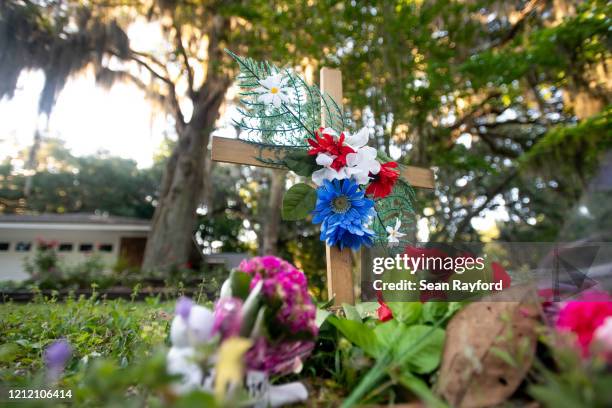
{"x":393,"y":232}
{"x":357,"y":140}
{"x":273,"y":90}
{"x":327,"y":173}
{"x":193,"y":331}
{"x":362,"y":163}
{"x":359,"y":164}
{"x":603,"y":335}
{"x":181,"y":361}
{"x":200,"y":325}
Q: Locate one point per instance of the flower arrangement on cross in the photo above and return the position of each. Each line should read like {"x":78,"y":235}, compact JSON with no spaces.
{"x":355,"y":192}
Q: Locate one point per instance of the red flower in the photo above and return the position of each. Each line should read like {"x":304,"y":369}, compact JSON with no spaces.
{"x":500,"y":274}
{"x":325,"y":143}
{"x":384,"y":312}
{"x":383,"y":182}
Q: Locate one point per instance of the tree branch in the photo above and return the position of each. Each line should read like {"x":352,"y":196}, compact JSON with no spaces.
{"x":490,"y":196}
{"x":174,"y":104}
{"x":181,"y":50}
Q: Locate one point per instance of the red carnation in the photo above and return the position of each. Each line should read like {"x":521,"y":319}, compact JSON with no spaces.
{"x":325,"y":143}
{"x":383,"y":182}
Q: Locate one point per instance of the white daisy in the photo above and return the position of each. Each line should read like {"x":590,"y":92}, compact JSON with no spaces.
{"x":393,"y":232}
{"x":273,"y":90}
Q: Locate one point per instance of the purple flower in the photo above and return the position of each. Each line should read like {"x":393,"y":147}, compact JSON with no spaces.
{"x":228,"y":317}
{"x":57,"y":354}
{"x":183,"y":307}
{"x":278,"y":359}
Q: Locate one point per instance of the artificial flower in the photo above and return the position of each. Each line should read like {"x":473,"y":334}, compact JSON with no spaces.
{"x":273,"y":90}
{"x":56,"y":356}
{"x":358,"y":139}
{"x":183,"y":307}
{"x":584,"y":316}
{"x":330,"y":149}
{"x":228,"y":317}
{"x":393,"y":233}
{"x":382,"y":183}
{"x":344,"y":212}
{"x":181,"y":361}
{"x":327,"y":173}
{"x":278,"y":358}
{"x":362,"y":164}
{"x":229,"y":370}
{"x":287,"y":286}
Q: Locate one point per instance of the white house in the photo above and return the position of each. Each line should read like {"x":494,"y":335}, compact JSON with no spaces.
{"x":77,"y":235}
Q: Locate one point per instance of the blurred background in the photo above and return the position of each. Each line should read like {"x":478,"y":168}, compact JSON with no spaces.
{"x":108,"y":108}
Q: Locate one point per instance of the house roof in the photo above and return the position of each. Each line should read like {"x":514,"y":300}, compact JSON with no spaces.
{"x":74,"y":221}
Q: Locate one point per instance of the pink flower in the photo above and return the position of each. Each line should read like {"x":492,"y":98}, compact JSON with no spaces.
{"x":583,"y":317}
{"x":285,"y":288}
{"x":228,"y":317}
{"x":603,"y":337}
{"x":282,"y":358}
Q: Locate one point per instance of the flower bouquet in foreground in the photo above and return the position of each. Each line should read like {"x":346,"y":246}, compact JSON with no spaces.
{"x":262,"y":325}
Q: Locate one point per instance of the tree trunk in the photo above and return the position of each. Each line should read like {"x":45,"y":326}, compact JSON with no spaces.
{"x":171,"y":235}
{"x":271,"y":224}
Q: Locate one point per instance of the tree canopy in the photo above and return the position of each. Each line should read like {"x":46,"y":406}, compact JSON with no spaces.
{"x":508,"y":101}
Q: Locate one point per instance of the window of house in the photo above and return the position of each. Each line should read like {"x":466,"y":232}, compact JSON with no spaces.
{"x":4,"y":246}
{"x":23,"y":246}
{"x":105,"y":247}
{"x":85,"y":247}
{"x":65,"y":247}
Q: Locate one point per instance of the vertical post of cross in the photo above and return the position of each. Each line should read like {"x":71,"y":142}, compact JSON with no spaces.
{"x":339,"y":262}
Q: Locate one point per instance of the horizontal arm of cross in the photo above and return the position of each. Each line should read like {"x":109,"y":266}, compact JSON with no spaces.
{"x":241,"y":152}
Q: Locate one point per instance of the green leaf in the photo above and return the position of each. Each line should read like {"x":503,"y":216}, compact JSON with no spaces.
{"x":367,"y":309}
{"x":240,"y":284}
{"x":322,"y":315}
{"x":301,"y":163}
{"x":250,"y":309}
{"x":383,"y":157}
{"x":406,"y":312}
{"x":359,"y":334}
{"x":420,"y":389}
{"x":420,"y":347}
{"x":433,"y":311}
{"x":351,"y":312}
{"x":298,"y":202}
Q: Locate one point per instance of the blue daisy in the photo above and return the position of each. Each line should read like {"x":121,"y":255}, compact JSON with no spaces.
{"x":343,"y":211}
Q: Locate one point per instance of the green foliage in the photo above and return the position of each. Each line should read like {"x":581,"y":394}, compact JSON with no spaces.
{"x":81,"y":184}
{"x":291,"y":123}
{"x":300,"y":162}
{"x":298,"y":202}
{"x":398,"y":205}
{"x":573,"y":383}
{"x":405,"y":348}
{"x":112,"y":329}
{"x":118,"y":351}
{"x":564,"y":145}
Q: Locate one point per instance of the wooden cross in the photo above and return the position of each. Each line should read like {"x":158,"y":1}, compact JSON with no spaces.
{"x":340,"y":284}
